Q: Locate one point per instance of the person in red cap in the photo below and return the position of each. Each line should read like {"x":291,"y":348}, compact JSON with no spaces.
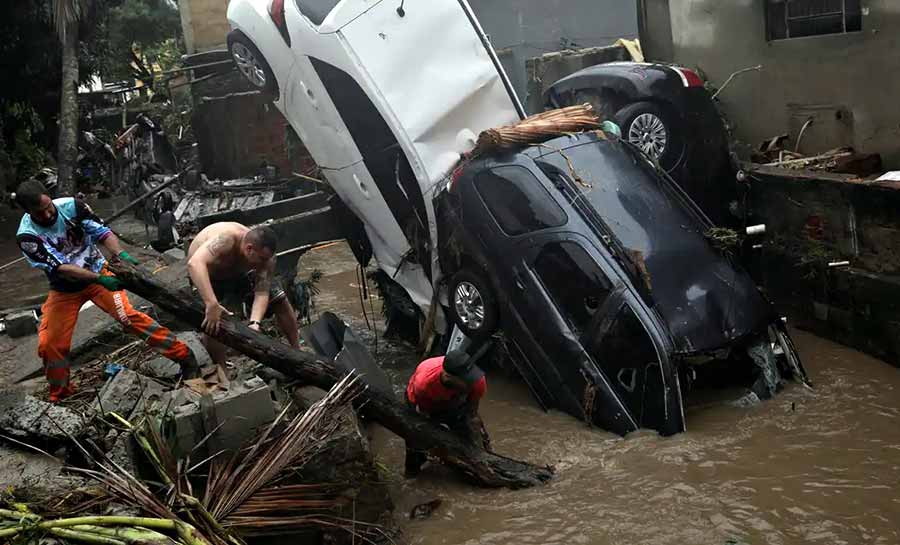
{"x":447,"y":389}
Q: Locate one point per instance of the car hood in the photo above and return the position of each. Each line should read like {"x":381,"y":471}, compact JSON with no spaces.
{"x":705,"y":298}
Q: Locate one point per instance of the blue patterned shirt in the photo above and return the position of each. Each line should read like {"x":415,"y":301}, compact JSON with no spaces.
{"x":71,"y":240}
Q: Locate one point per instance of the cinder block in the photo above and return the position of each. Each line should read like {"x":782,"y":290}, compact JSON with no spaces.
{"x":21,"y":324}
{"x":237,"y":416}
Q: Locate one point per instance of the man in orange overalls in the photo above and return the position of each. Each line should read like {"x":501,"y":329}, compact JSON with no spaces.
{"x":60,"y":237}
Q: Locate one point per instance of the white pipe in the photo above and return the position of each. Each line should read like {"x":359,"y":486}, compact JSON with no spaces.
{"x":756,"y":229}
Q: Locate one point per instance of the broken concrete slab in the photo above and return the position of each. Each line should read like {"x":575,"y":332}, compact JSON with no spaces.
{"x":21,"y":324}
{"x":175,"y":253}
{"x":34,"y":478}
{"x":162,"y":368}
{"x":345,"y":459}
{"x":233,"y":417}
{"x":120,"y":394}
{"x":26,"y":417}
{"x":194,"y":342}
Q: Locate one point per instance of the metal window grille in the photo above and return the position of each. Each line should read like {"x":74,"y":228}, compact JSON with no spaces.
{"x":800,"y":18}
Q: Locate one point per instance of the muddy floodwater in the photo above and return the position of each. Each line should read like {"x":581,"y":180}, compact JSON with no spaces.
{"x":810,"y":466}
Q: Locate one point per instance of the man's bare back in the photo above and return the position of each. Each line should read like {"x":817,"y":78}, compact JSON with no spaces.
{"x":221,"y":256}
{"x":225,"y":248}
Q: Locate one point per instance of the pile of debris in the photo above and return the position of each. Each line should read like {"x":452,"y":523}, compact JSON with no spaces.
{"x":843,"y":160}
{"x":212,"y":460}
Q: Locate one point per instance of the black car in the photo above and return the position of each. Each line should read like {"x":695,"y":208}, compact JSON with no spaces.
{"x":597,"y":268}
{"x":667,"y":112}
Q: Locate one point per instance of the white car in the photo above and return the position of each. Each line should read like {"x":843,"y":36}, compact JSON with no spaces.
{"x":386,"y":95}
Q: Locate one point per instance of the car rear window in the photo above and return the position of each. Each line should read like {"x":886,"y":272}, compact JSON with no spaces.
{"x":575,"y":282}
{"x":518,"y":201}
{"x":316,"y":10}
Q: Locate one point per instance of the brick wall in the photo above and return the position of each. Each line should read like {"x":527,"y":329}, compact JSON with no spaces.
{"x":237,"y":129}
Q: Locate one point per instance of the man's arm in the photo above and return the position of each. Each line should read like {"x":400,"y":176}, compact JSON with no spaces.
{"x":198,"y":269}
{"x":475,"y":425}
{"x":74,"y":272}
{"x":261,"y":294}
{"x":111,"y":242}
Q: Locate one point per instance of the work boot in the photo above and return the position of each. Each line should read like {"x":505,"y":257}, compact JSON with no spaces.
{"x":58,"y":394}
{"x":189,"y":367}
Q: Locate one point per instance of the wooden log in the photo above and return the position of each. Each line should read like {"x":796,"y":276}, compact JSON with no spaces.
{"x":478,"y":465}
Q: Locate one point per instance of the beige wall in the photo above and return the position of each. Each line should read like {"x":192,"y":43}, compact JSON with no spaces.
{"x":856,"y":74}
{"x":204,"y":24}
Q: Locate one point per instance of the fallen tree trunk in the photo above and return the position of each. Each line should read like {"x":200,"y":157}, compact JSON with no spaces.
{"x":480,"y":466}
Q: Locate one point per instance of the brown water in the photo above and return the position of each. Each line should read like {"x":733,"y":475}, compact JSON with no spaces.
{"x":810,"y":466}
{"x":826,"y":471}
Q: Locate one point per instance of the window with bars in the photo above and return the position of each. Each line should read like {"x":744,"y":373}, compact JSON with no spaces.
{"x":799,"y":18}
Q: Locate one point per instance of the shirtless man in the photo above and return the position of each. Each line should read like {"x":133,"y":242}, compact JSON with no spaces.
{"x":227,"y":262}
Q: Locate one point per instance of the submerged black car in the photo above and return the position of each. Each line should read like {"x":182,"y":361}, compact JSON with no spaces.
{"x":597,"y":268}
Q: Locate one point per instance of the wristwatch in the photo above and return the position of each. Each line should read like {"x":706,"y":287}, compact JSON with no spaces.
{"x":255,"y":322}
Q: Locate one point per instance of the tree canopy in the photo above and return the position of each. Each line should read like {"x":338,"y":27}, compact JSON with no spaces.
{"x":142,"y":36}
{"x":118,"y":40}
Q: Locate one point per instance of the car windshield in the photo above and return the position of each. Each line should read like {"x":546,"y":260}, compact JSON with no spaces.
{"x":696,"y":289}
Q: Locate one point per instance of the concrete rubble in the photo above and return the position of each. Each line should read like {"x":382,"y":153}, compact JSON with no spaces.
{"x":27,"y":418}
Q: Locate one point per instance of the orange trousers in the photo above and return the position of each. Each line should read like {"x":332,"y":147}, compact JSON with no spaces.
{"x":60,"y":314}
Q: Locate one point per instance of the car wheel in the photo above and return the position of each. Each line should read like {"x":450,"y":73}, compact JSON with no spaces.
{"x":649,"y":127}
{"x":251,"y":64}
{"x":473,"y":306}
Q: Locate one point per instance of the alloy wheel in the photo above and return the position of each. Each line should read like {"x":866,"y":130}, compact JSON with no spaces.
{"x":248,"y":64}
{"x":648,"y":132}
{"x":469,"y":305}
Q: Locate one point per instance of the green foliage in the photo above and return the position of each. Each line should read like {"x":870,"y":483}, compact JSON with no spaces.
{"x":26,"y":154}
{"x":142,"y":37}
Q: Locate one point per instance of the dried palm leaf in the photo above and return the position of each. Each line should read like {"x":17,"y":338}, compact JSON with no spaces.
{"x":538,"y":128}
{"x":233,"y":484}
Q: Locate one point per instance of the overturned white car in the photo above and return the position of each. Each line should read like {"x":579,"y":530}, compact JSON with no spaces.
{"x":386,"y":95}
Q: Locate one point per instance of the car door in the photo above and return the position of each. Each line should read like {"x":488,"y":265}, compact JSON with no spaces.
{"x":502,"y":207}
{"x":626,"y":347}
{"x":566,"y":282}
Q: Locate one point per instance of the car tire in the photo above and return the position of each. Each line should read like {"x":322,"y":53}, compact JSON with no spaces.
{"x":251,"y":64}
{"x":644,"y":124}
{"x":473,"y":305}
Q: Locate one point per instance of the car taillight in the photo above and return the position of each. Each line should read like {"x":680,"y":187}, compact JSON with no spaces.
{"x":689,"y":77}
{"x":276,"y":12}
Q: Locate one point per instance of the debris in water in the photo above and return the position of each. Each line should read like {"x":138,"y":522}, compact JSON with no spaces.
{"x":425,"y":510}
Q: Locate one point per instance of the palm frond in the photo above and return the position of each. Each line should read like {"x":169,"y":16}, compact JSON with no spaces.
{"x":538,"y":128}
{"x":234,"y":483}
{"x":66,"y":12}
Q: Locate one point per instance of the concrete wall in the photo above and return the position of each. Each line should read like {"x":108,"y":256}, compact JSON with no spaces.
{"x":204,"y":24}
{"x":522,"y":29}
{"x":844,"y":81}
{"x":547,"y":69}
{"x":813,"y":219}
